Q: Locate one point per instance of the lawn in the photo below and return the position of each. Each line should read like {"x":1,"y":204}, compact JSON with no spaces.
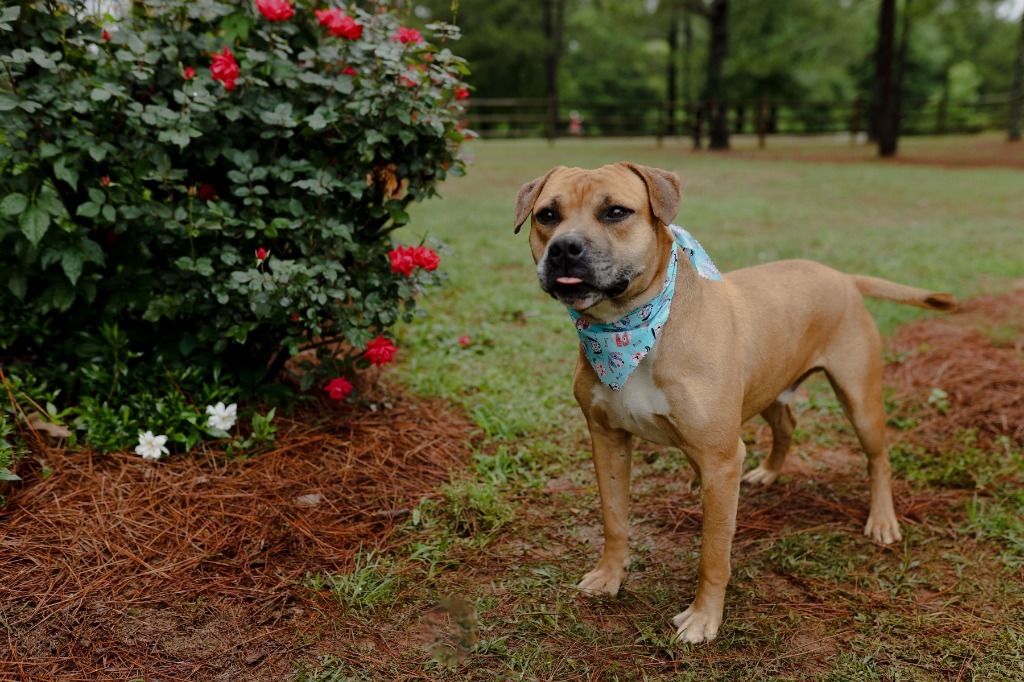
{"x":482,"y":585}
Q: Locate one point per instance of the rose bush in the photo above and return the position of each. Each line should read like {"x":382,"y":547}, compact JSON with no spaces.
{"x":216,"y":183}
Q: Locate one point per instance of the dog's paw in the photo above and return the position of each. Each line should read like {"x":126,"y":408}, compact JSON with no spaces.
{"x":605,"y":579}
{"x":760,"y":476}
{"x":696,"y":626}
{"x":884,"y":531}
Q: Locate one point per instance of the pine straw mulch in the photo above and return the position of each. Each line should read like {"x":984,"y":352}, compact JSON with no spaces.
{"x":192,"y":569}
{"x":976,"y":356}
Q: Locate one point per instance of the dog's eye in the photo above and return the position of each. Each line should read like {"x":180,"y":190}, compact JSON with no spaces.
{"x":617,"y":213}
{"x":547,"y":217}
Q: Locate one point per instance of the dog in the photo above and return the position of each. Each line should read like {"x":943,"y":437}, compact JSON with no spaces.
{"x":729,"y":350}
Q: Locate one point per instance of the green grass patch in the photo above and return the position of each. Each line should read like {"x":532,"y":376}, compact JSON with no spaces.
{"x":810,"y":600}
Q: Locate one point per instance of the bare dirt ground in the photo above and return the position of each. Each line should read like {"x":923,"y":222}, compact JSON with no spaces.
{"x":195,"y":568}
{"x":988,"y":150}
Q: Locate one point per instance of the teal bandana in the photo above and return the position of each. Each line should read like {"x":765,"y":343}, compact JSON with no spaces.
{"x":614,"y":350}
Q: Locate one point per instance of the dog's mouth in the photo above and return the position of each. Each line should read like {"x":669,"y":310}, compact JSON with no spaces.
{"x":579,"y":294}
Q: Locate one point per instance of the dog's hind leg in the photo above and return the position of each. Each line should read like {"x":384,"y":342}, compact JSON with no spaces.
{"x":856,"y":377}
{"x":782,"y":421}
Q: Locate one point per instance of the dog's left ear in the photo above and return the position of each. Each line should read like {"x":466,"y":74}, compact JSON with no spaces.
{"x":527,"y":196}
{"x":664,"y":189}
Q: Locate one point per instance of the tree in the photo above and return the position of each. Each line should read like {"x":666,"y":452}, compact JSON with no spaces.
{"x":671,"y":77}
{"x":714,"y":90}
{"x":1017,"y":95}
{"x":885,"y":108}
{"x":554,"y":30}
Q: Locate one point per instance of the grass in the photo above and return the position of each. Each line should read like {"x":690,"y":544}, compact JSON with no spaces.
{"x":810,"y":597}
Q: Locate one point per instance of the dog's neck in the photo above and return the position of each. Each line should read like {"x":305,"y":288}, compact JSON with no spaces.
{"x":643,"y":290}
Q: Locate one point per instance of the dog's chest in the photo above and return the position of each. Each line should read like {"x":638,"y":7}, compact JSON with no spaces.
{"x":634,"y":407}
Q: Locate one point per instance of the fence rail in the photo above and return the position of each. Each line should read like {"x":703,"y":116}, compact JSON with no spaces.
{"x":509,"y":117}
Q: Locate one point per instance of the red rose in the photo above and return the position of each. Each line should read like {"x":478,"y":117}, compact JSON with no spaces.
{"x":407,"y":35}
{"x":294,"y":317}
{"x":403,"y":260}
{"x":339,"y":24}
{"x":426,"y":258}
{"x":207,"y":192}
{"x":189,"y":73}
{"x":225,"y":69}
{"x":464,"y":340}
{"x":380,"y":351}
{"x":349,"y":71}
{"x":406,"y":81}
{"x":105,"y":35}
{"x":105,"y":181}
{"x":461,"y":93}
{"x":261,"y":254}
{"x":338,"y":388}
{"x":275,"y":10}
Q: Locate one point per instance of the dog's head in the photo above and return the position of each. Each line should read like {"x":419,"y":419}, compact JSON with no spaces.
{"x":599,"y":236}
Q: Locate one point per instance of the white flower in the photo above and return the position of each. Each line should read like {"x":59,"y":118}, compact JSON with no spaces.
{"x":222,"y":417}
{"x":150,"y":446}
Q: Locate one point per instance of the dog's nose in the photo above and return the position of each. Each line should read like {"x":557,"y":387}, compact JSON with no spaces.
{"x":567,"y":250}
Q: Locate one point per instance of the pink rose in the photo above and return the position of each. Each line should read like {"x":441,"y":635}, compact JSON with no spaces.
{"x":408,"y":35}
{"x":426,"y":258}
{"x":339,"y":24}
{"x":225,"y":69}
{"x":275,"y":10}
{"x":380,"y":351}
{"x":338,"y":388}
{"x":403,"y":260}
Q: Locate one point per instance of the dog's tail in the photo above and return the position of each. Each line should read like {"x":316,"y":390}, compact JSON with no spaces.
{"x":875,"y":287}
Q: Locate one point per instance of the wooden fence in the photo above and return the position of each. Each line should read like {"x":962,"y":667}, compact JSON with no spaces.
{"x":508,"y":118}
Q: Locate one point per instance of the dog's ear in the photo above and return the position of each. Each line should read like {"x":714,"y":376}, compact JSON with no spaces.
{"x":664,"y":189}
{"x":528,"y":196}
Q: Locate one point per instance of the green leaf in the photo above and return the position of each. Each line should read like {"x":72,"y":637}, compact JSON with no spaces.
{"x":10,"y":13}
{"x":175,"y":136}
{"x":18,"y":285}
{"x":109,"y":213}
{"x":34,"y":223}
{"x":99,"y":95}
{"x":72,"y":262}
{"x":187,"y":344}
{"x":68,"y":175}
{"x":13,"y":204}
{"x":89,"y":210}
{"x":5,"y":473}
{"x":50,"y":202}
{"x":8,"y":101}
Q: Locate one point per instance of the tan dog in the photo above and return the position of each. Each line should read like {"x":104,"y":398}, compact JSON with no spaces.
{"x":601,"y":243}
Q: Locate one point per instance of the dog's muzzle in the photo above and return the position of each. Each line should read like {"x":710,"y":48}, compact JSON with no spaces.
{"x":575,"y":273}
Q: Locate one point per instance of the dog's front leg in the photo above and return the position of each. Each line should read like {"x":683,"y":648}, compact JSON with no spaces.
{"x":612,"y":449}
{"x":720,"y":489}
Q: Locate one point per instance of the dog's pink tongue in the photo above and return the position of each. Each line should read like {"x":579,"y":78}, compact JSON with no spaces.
{"x":569,"y":280}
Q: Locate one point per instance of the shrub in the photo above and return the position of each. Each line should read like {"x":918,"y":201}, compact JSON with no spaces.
{"x":198,"y":190}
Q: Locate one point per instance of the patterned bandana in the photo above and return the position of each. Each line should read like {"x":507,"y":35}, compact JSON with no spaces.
{"x":614,"y":350}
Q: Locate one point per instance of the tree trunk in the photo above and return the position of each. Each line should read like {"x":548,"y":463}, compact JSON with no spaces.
{"x":718,"y":50}
{"x":883,"y":105}
{"x":1017,"y":95}
{"x":670,"y":74}
{"x":691,"y":119}
{"x":554,"y":16}
{"x":897,"y":88}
